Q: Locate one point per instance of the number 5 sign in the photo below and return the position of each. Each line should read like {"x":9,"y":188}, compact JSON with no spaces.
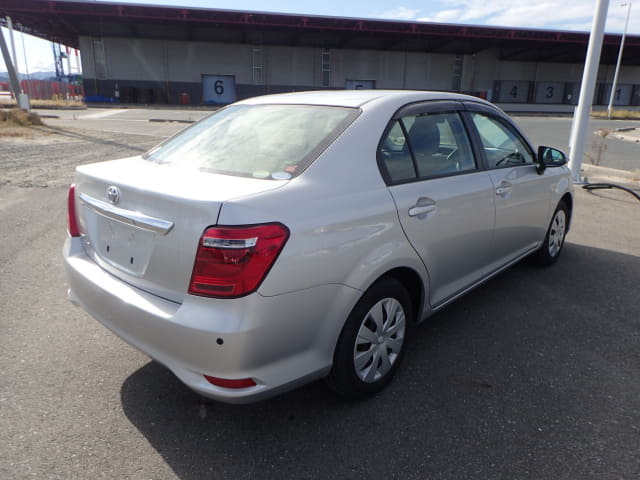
{"x":218,"y":89}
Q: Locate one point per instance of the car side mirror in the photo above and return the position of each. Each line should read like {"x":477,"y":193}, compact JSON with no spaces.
{"x":550,"y":157}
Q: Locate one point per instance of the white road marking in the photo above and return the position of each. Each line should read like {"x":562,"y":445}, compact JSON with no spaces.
{"x":108,"y":113}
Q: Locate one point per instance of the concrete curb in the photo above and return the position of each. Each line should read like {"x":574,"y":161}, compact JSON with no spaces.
{"x":611,"y":175}
{"x":169,"y":120}
{"x":628,"y":134}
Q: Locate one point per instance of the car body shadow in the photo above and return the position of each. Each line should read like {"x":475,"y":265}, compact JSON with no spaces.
{"x":529,"y":376}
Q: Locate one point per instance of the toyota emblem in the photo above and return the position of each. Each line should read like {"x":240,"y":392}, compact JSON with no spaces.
{"x":113,"y":194}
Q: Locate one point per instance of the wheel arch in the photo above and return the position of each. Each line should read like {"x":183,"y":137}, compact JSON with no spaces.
{"x":568,"y":201}
{"x":413,"y":283}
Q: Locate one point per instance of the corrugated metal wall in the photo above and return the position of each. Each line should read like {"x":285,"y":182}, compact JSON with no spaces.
{"x":161,"y":71}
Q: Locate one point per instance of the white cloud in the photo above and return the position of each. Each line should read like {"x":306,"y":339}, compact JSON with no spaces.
{"x":401,"y":13}
{"x":581,"y":27}
{"x":36,"y":50}
{"x":552,"y":14}
{"x":445,"y":16}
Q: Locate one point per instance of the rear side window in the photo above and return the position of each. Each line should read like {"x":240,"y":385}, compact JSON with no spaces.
{"x":396,"y":156}
{"x":261,"y":141}
{"x":423,"y":146}
{"x":501,"y":145}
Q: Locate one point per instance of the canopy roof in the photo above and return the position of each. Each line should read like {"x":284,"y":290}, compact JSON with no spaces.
{"x":64,"y":21}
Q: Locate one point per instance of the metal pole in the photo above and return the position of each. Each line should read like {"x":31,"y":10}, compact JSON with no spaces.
{"x":78,"y":62}
{"x":24,"y":53}
{"x":13,"y":77}
{"x":614,"y":85}
{"x":581,"y":115}
{"x":13,"y":46}
{"x":68,"y":52}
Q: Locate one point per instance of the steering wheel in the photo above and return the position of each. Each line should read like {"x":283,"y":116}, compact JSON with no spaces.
{"x":452,"y":153}
{"x":516,"y":157}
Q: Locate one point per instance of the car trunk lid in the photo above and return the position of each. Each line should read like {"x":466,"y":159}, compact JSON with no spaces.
{"x":142,"y":221}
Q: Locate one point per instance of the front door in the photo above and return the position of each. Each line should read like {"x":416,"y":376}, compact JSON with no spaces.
{"x":522,"y":196}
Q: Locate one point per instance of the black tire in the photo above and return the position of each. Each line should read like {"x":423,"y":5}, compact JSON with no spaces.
{"x":352,"y":379}
{"x":551,"y":248}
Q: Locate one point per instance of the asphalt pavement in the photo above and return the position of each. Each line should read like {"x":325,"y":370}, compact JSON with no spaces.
{"x":151,"y":122}
{"x":622,"y":154}
{"x":534,"y":375}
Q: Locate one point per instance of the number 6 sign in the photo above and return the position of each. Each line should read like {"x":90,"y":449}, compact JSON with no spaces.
{"x":218,"y":89}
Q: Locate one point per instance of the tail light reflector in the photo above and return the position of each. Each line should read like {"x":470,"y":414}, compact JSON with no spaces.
{"x":233,"y":261}
{"x":228,"y":383}
{"x":74,"y":231}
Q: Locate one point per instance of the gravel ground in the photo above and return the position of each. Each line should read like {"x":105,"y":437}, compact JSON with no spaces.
{"x":46,"y":157}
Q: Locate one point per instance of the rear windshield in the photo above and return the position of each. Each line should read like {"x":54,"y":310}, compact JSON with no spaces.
{"x":262,"y":141}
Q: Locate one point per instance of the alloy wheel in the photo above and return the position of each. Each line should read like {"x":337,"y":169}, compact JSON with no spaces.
{"x":557,"y":232}
{"x":379,"y":340}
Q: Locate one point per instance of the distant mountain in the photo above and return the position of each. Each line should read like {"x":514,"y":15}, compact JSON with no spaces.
{"x":39,"y":75}
{"x":4,"y":76}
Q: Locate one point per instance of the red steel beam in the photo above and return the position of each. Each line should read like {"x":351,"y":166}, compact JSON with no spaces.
{"x":73,"y":10}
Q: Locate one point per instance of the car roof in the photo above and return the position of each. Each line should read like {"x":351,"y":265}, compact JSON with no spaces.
{"x":357,"y":98}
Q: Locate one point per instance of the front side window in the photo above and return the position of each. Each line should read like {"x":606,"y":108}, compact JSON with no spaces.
{"x":429,"y":145}
{"x":501,"y":145}
{"x":261,"y":141}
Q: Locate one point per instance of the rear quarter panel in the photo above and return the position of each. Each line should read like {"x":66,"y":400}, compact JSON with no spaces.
{"x":343,"y":221}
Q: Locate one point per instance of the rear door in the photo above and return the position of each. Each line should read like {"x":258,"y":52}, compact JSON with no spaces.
{"x":444,"y":199}
{"x":521,"y":195}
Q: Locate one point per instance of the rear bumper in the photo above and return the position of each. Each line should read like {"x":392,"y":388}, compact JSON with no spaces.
{"x":280,"y":341}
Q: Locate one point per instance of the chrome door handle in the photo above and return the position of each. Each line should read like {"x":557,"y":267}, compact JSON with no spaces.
{"x":415,"y":211}
{"x":423,"y":206}
{"x":504,"y":189}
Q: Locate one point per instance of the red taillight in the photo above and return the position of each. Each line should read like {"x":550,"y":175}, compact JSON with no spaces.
{"x":233,"y":261}
{"x":227,"y":383}
{"x":74,"y":231}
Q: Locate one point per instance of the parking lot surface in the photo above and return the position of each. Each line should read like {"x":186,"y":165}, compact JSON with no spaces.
{"x":534,"y":375}
{"x":622,"y":151}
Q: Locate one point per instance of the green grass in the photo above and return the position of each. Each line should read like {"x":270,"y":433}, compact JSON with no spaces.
{"x":618,"y":114}
{"x":18,"y":123}
{"x":20,"y":118}
{"x":60,"y":104}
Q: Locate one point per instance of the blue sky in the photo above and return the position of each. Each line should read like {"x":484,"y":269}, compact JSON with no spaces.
{"x":551,"y":14}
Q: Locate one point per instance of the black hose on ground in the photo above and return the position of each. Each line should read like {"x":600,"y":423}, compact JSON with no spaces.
{"x":601,"y":186}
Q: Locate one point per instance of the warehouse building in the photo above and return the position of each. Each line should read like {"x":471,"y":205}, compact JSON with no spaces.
{"x":155,"y":54}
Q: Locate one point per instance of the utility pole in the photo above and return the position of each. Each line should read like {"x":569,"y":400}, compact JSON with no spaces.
{"x":587,"y":88}
{"x":22,"y":99}
{"x":13,"y":44}
{"x":614,"y":85}
{"x":57,"y":58}
{"x":68,"y":54}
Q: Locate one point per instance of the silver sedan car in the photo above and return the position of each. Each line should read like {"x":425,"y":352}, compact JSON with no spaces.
{"x":301,"y":236}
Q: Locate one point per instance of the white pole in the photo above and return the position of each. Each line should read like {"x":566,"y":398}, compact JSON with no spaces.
{"x":21,"y":98}
{"x":68,"y":51}
{"x":581,"y":115}
{"x":78,"y":62}
{"x":13,"y":46}
{"x":24,"y":53}
{"x":614,"y":85}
